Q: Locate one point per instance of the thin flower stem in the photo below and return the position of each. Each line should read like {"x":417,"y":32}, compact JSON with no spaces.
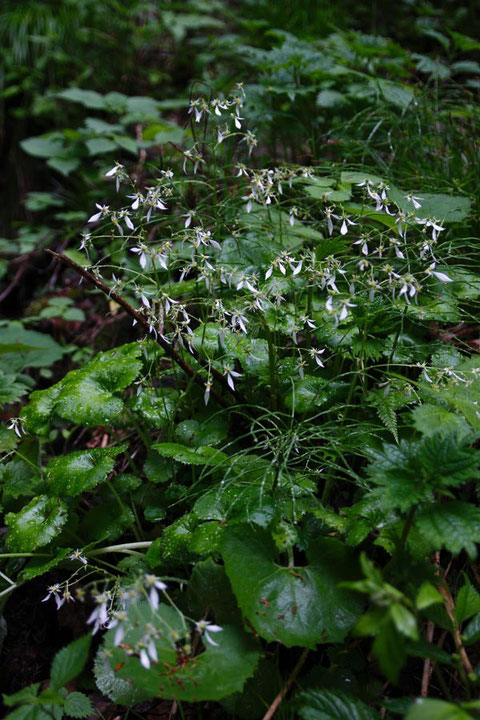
{"x":123,"y":547}
{"x":8,"y":590}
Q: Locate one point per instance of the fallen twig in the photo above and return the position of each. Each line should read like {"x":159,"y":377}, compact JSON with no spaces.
{"x":291,"y":679}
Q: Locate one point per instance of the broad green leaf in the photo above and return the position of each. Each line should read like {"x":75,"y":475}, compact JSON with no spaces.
{"x":209,"y":588}
{"x":312,"y":392}
{"x":330,"y":99}
{"x":471,"y":633}
{"x":292,"y":605}
{"x":430,"y":419}
{"x":22,"y":696}
{"x":80,"y":471}
{"x":41,"y":350}
{"x":329,"y":705}
{"x":454,"y":525}
{"x":195,"y":433}
{"x":467,"y":602}
{"x":199,"y":456}
{"x":78,"y":705}
{"x":39,"y":566}
{"x":97,"y":146}
{"x":399,"y":95}
{"x":446,"y":208}
{"x":110,"y":684}
{"x":389,"y":649}
{"x":88,"y":98}
{"x":427,"y":595}
{"x":36,"y":525}
{"x":64,"y":165}
{"x":44,"y":146}
{"x":429,"y":709}
{"x":87,"y":396}
{"x":69,"y":662}
{"x":216,"y":672}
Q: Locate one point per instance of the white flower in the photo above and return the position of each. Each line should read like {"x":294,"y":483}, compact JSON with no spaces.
{"x":153,"y":584}
{"x":119,"y":617}
{"x":345,"y":224}
{"x":415,"y":200}
{"x":314,"y":353}
{"x":363,"y":245}
{"x":439,"y":275}
{"x":208,"y":387}
{"x":148,"y":653}
{"x":16,"y":425}
{"x":86,"y":243}
{"x":54,"y":591}
{"x":230,"y":374}
{"x":141,"y":251}
{"x":329,"y":214}
{"x":103,"y":211}
{"x":125,"y":216}
{"x":99,"y":616}
{"x":118,"y":172}
{"x":204,"y":628}
{"x":77,"y":555}
{"x":137,"y":199}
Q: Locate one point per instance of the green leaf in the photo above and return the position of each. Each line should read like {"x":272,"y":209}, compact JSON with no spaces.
{"x":78,"y":705}
{"x":156,"y":406}
{"x":25,"y":695}
{"x":427,"y":595}
{"x":471,"y":634}
{"x":97,"y":146}
{"x":389,"y":649}
{"x":446,"y":208}
{"x":119,"y":691}
{"x":430,"y":419}
{"x":211,"y":675}
{"x":69,"y":662}
{"x":64,"y":165}
{"x":194,"y":433}
{"x":35,"y":525}
{"x":88,"y":98}
{"x":467,"y":602}
{"x":429,"y":709}
{"x":404,"y":621}
{"x":454,"y":525}
{"x":329,"y":705}
{"x":199,"y":456}
{"x":41,"y":350}
{"x":87,"y":396}
{"x":80,"y":471}
{"x":39,"y":566}
{"x":44,"y":146}
{"x":399,"y":95}
{"x":296,"y":606}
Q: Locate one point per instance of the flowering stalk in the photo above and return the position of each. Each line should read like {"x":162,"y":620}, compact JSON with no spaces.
{"x":144,"y":323}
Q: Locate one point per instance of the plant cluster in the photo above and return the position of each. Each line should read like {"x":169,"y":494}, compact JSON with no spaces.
{"x":270,"y":484}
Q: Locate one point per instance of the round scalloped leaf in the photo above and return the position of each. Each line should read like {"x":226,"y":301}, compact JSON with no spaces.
{"x":36,"y":525}
{"x":86,"y":396}
{"x":293,"y":605}
{"x":69,"y":475}
{"x":218,"y":671}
